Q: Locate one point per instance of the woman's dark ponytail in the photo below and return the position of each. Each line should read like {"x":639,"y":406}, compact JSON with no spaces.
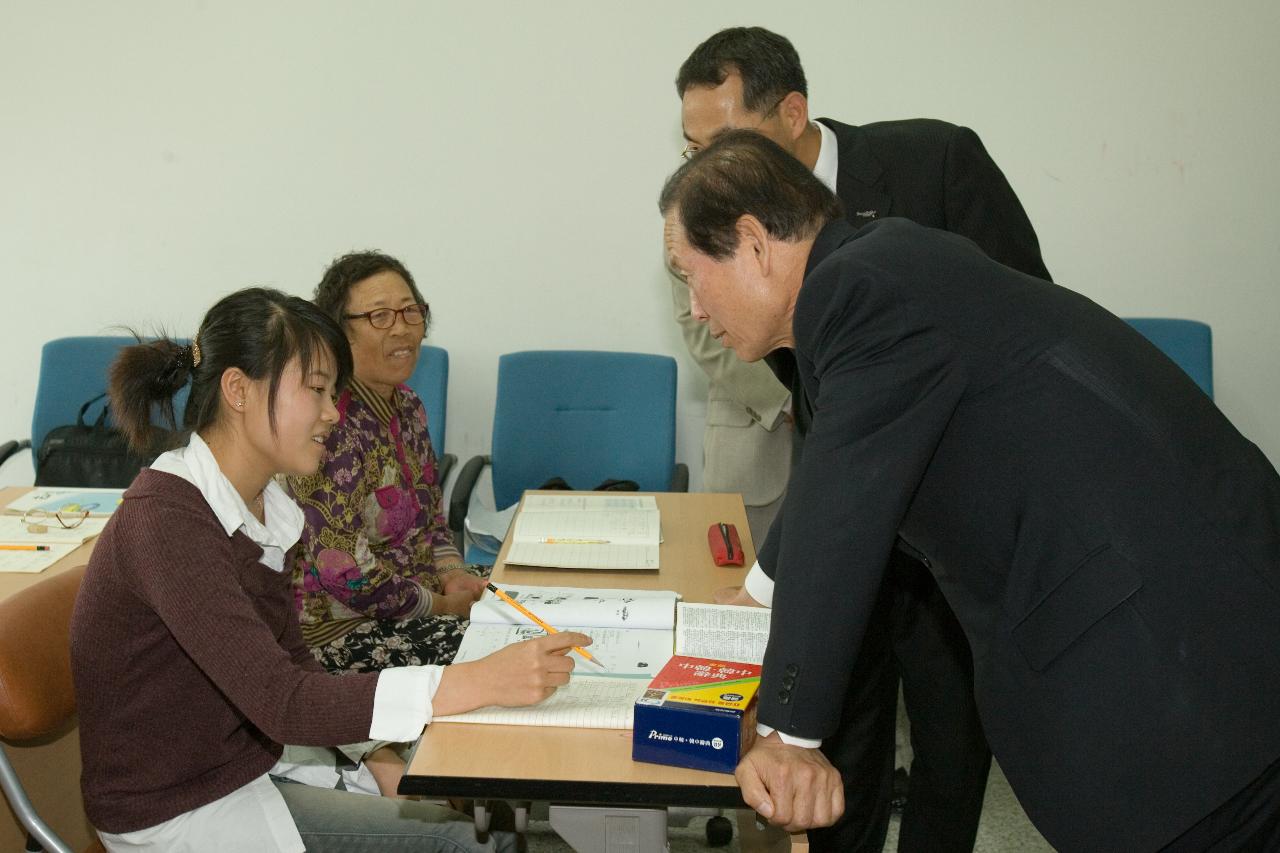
{"x":143,"y":377}
{"x":257,"y":330}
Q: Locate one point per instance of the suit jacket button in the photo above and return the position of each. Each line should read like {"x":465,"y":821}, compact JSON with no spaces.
{"x":792,"y":669}
{"x":788,"y":682}
{"x":784,"y":697}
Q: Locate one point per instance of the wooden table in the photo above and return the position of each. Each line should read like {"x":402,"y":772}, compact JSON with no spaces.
{"x":50,"y":768}
{"x":590,"y":765}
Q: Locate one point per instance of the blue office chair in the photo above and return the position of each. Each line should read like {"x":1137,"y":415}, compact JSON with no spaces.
{"x":72,"y":372}
{"x":582,"y":416}
{"x":430,"y":381}
{"x":1188,"y":343}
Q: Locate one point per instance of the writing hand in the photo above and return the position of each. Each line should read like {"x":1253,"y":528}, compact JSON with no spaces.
{"x":520,"y":674}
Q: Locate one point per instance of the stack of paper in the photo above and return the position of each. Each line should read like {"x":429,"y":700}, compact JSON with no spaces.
{"x":633,"y":632}
{"x":575,"y":531}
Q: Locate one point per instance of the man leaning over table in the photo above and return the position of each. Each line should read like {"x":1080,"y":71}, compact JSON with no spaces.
{"x":1108,"y":540}
{"x":937,"y":174}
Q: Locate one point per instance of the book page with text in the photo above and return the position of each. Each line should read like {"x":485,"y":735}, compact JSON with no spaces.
{"x":587,"y":703}
{"x":722,"y":631}
{"x":560,"y":606}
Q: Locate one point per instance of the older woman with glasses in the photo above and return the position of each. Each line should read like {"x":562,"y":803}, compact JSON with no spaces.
{"x":378,"y":579}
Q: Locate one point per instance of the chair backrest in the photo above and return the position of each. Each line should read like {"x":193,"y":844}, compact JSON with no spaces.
{"x":1188,"y":343}
{"x":583,"y":416}
{"x":430,"y":381}
{"x":72,"y":372}
{"x":36,"y":693}
{"x":37,"y":697}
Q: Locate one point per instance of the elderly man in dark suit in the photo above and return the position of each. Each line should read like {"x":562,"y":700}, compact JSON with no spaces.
{"x":1107,"y":539}
{"x":940,"y":175}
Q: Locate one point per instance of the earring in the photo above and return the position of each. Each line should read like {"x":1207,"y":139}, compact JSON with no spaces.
{"x":240,"y":404}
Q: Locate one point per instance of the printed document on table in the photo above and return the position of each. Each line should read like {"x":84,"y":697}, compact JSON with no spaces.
{"x":575,"y":531}
{"x":632,"y":636}
{"x":557,"y":605}
{"x":99,"y":502}
{"x":630,"y":629}
{"x":31,"y":562}
{"x":722,"y":631}
{"x":583,"y":703}
{"x":14,"y":532}
{"x":628,"y":653}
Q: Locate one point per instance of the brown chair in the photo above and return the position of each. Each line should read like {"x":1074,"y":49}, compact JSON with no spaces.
{"x":36,"y":693}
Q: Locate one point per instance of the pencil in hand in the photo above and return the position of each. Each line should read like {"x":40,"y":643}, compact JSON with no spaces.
{"x":540,"y":623}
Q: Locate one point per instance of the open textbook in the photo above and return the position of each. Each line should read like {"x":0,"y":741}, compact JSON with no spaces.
{"x":634,"y":634}
{"x":577,"y":531}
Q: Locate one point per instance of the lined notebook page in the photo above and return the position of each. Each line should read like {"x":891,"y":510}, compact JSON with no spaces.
{"x":584,"y":703}
{"x":584,"y":556}
{"x":596,"y":532}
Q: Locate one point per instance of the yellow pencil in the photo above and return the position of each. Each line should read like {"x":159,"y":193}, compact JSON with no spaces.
{"x":24,"y":548}
{"x":543,"y":625}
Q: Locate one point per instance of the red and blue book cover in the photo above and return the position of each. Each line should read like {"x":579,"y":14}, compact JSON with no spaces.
{"x":697,"y":712}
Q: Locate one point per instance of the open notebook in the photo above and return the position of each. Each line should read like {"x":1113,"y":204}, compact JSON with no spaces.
{"x":634,"y":634}
{"x":576,"y":531}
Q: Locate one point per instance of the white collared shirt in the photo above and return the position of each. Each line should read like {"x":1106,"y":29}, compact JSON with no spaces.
{"x":827,"y":166}
{"x":255,"y":816}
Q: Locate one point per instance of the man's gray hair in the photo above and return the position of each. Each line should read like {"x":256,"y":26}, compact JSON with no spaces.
{"x":742,"y":172}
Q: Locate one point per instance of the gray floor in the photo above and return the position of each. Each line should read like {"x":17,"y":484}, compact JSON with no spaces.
{"x":1004,"y":829}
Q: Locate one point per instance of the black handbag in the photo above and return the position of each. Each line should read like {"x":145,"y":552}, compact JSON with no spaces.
{"x":94,"y":455}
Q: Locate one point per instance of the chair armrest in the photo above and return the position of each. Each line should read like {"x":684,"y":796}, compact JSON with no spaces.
{"x":461,"y":496}
{"x":10,"y":448}
{"x":445,"y":464}
{"x":680,"y":478}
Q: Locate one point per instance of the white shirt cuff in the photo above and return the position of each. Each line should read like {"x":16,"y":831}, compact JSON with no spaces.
{"x":759,"y":585}
{"x":402,"y":702}
{"x":806,"y":742}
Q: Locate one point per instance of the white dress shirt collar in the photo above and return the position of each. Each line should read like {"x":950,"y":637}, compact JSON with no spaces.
{"x":196,"y":464}
{"x":828,"y":164}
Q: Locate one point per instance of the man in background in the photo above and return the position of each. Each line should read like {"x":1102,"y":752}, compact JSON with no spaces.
{"x":939,"y":175}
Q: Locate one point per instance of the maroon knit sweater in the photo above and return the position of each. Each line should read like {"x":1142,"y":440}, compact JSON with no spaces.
{"x":189,"y":667}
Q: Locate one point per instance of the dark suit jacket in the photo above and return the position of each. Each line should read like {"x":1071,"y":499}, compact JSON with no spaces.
{"x":1109,"y":542}
{"x":934,"y":173}
{"x":937,"y":174}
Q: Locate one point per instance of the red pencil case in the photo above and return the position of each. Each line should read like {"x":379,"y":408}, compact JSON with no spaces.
{"x":726,"y":549}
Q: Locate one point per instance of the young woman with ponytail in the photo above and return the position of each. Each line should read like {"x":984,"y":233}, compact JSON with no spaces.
{"x":190,"y":669}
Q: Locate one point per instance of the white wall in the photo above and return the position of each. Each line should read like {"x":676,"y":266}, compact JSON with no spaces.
{"x":156,"y":155}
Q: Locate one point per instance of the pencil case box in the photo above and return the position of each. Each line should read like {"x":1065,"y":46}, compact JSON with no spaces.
{"x":726,"y":548}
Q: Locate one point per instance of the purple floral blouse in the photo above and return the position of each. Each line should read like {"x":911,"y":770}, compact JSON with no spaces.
{"x":375,"y":531}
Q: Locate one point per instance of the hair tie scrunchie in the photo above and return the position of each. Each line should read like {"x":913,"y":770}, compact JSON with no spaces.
{"x":195,"y":353}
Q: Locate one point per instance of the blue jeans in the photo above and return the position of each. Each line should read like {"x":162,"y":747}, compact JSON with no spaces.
{"x":333,"y":821}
